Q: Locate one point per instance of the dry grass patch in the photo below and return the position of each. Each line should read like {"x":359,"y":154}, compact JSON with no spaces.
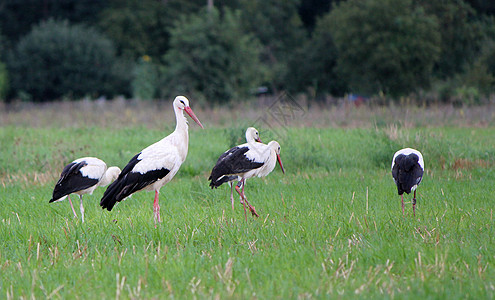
{"x":469,"y":164}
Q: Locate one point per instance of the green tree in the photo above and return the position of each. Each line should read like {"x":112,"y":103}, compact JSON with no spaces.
{"x":385,"y":45}
{"x":141,"y":27}
{"x":145,"y":80}
{"x":58,"y":59}
{"x":461,"y":33}
{"x":4,"y":81}
{"x":211,"y":55}
{"x":313,"y":67}
{"x":310,"y":10}
{"x":4,"y":78}
{"x":277,"y":25}
{"x":488,"y":57}
{"x":480,"y":75}
{"x":17,"y":17}
{"x":483,"y":6}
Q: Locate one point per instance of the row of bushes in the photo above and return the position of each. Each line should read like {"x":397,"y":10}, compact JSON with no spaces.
{"x":397,"y":49}
{"x":210,"y":56}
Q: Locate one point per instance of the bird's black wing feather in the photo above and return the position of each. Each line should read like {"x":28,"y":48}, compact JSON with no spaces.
{"x":129,"y":182}
{"x":71,"y":181}
{"x":417,"y":174}
{"x":233,"y":161}
{"x":227,"y":153}
{"x":395,"y":171}
{"x":407,"y":172}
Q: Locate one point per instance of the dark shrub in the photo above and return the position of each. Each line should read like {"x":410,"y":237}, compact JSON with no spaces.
{"x":57,"y":59}
{"x":211,"y":57}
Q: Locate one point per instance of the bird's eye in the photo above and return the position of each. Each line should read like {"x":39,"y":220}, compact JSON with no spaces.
{"x":182,"y":101}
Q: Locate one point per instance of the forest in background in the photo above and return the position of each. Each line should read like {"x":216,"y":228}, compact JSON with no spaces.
{"x":224,"y":51}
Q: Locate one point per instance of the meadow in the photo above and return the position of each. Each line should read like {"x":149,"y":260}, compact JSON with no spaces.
{"x":331,"y":227}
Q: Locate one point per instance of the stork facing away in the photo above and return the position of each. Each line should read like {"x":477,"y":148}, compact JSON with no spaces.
{"x":155,"y":165}
{"x":83,"y":176}
{"x":407,"y":171}
{"x":244,"y":162}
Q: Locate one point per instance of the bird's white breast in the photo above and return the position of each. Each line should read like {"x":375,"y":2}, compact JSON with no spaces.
{"x":157,"y":156}
{"x":269,"y":165}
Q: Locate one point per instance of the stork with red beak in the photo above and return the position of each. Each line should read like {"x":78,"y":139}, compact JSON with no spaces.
{"x":252,"y":136}
{"x":155,"y":165}
{"x":244,"y":162}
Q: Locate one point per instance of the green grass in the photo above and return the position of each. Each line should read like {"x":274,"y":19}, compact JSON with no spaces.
{"x":331,"y":227}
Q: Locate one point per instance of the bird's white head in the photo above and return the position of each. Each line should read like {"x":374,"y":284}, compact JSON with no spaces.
{"x":275,"y":146}
{"x":114,"y":172}
{"x":182,"y":103}
{"x":252,"y":134}
{"x":110,"y":175}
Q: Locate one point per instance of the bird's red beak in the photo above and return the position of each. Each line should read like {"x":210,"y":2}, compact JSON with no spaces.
{"x":258,"y":140}
{"x":193,"y":116}
{"x":280,"y":163}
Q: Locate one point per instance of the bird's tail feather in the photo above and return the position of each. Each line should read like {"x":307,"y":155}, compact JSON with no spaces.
{"x":110,"y":197}
{"x":407,"y":182}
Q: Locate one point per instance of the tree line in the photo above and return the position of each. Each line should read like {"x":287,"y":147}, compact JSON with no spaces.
{"x":219,"y":51}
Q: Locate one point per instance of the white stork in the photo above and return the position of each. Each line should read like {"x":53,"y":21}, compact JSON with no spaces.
{"x":407,"y":171}
{"x":155,"y":165}
{"x":244,"y":162}
{"x":252,"y":136}
{"x":83,"y":176}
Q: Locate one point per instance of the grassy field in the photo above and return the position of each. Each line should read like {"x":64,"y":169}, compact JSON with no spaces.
{"x":330,"y":227}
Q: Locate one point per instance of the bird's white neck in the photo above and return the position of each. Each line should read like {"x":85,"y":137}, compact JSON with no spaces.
{"x":109,"y":176}
{"x":251,"y":142}
{"x":181,"y":124}
{"x":180,"y":136}
{"x":270,"y":159}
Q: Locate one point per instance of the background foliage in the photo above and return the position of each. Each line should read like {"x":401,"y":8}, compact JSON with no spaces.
{"x":76,"y":59}
{"x":384,"y":45}
{"x":4,"y":80}
{"x":212,"y":56}
{"x":314,"y":65}
{"x":319,"y":48}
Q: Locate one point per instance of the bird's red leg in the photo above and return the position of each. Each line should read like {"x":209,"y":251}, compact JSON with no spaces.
{"x":251,"y":208}
{"x":243,"y":197}
{"x":75,"y":215}
{"x":156,"y":209}
{"x":402,"y":201}
{"x":243,"y":202}
{"x":414,"y":203}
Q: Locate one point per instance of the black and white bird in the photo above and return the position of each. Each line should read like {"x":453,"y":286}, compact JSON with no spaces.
{"x":83,"y":176}
{"x":407,"y":171}
{"x":244,"y":162}
{"x":155,"y":165}
{"x":252,"y":136}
